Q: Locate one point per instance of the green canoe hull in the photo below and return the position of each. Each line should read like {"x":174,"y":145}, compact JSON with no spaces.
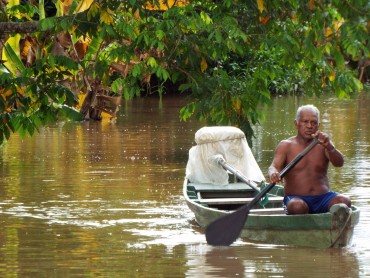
{"x":269,"y":224}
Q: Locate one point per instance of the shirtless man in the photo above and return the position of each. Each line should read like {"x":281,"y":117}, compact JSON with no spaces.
{"x":306,"y":185}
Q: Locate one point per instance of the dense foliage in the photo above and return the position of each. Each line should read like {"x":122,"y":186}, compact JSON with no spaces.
{"x":230,"y":56}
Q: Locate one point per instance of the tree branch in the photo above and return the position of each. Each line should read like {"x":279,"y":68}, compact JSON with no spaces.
{"x":33,"y":26}
{"x":19,"y":27}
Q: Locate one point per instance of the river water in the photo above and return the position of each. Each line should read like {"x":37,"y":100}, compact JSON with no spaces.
{"x":102,"y":199}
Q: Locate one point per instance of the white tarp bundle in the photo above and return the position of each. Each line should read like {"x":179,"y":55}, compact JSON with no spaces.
{"x":230,"y":142}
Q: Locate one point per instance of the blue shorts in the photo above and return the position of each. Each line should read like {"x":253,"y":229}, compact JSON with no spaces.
{"x":316,"y":203}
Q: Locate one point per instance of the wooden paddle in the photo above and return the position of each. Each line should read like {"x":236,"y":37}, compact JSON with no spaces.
{"x":225,"y":230}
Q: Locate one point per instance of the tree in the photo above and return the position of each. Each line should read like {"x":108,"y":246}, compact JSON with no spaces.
{"x":231,"y":56}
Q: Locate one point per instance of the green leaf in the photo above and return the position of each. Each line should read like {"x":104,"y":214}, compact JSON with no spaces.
{"x":187,"y":111}
{"x":152,"y":62}
{"x":160,"y":34}
{"x":339,"y":59}
{"x":117,"y":85}
{"x":136,"y":70}
{"x":3,"y":69}
{"x":126,"y":93}
{"x":71,"y":113}
{"x":14,"y":63}
{"x":47,"y":23}
{"x":94,"y":46}
{"x":205,"y":17}
{"x":218,"y":36}
{"x":162,"y":73}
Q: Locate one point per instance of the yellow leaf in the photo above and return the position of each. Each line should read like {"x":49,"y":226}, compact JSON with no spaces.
{"x":106,"y":18}
{"x":332,"y":76}
{"x":83,"y":5}
{"x":328,"y":32}
{"x":323,"y":83}
{"x":137,"y":14}
{"x":203,"y":65}
{"x":337,"y":24}
{"x":14,"y":44}
{"x":59,"y":7}
{"x":93,"y":11}
{"x":66,"y":5}
{"x":261,"y":6}
{"x":236,"y":102}
{"x":12,"y":3}
{"x":294,"y":18}
{"x":311,"y":4}
{"x":264,"y":20}
{"x":164,"y":4}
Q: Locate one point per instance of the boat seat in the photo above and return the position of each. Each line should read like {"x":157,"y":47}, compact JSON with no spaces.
{"x":225,"y":201}
{"x":268,"y":211}
{"x":233,"y":187}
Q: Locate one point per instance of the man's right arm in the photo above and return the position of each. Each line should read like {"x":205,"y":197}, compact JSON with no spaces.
{"x":278,"y":162}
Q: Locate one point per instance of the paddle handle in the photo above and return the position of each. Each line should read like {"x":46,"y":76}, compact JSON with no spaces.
{"x":286,"y":169}
{"x":222,"y":162}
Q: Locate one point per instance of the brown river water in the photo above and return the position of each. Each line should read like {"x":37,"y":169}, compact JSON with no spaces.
{"x":101,"y":199}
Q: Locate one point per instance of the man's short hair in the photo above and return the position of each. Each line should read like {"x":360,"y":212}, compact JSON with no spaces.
{"x":308,"y":107}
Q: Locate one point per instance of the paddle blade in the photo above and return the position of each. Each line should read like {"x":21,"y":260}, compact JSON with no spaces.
{"x":225,"y":230}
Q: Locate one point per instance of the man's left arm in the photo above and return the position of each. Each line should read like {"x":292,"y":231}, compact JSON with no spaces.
{"x":335,"y":156}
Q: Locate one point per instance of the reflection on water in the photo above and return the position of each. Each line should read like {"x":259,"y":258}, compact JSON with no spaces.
{"x":102,"y":199}
{"x":270,"y":261}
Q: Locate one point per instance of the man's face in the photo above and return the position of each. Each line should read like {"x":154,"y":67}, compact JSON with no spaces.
{"x":307,"y":124}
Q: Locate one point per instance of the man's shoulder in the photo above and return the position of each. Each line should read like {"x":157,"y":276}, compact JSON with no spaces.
{"x":288,"y":141}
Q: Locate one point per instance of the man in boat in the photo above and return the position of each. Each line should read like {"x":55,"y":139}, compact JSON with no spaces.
{"x":307,"y":185}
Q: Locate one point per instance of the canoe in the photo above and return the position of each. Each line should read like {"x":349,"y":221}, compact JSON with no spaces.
{"x":214,"y":186}
{"x":268,"y":223}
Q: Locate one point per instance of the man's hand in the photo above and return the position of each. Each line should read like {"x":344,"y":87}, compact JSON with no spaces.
{"x":324,"y":140}
{"x":274,"y":175}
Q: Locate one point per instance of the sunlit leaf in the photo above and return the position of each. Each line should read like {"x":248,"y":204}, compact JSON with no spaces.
{"x":59,"y":8}
{"x":93,"y":11}
{"x":84,"y":5}
{"x":11,"y":54}
{"x":328,"y":32}
{"x":261,"y":6}
{"x":106,"y":18}
{"x":203,"y":64}
{"x":3,"y":69}
{"x":332,"y":76}
{"x":152,"y":62}
{"x":205,"y":17}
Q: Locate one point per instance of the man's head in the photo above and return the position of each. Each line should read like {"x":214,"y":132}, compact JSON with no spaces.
{"x":308,"y":107}
{"x":307,"y":120}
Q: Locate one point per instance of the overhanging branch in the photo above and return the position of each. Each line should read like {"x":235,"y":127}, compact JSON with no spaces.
{"x":18,"y":27}
{"x":10,"y":27}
